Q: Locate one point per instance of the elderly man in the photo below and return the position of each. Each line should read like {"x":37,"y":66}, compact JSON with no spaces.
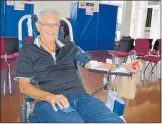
{"x":46,"y":72}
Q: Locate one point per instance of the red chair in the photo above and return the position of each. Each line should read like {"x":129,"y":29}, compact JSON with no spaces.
{"x":155,"y":50}
{"x":116,"y":53}
{"x":123,"y":49}
{"x":142,"y":47}
{"x":3,"y":65}
{"x":7,"y":58}
{"x":152,"y":59}
{"x":3,"y":62}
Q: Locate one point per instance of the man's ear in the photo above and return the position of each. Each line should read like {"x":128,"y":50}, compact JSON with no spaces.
{"x":37,"y":26}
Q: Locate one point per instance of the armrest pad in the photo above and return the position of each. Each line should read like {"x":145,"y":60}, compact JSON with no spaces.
{"x":120,"y":72}
{"x":99,"y":70}
{"x":12,"y":56}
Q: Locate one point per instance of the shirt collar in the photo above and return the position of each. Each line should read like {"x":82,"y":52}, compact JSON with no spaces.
{"x":59,"y":44}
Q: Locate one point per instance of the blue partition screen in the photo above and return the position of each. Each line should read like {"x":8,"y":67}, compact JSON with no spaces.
{"x":11,"y":17}
{"x":96,"y":32}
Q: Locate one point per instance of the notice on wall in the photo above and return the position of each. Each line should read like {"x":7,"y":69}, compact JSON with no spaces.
{"x":28,"y":1}
{"x":89,"y":8}
{"x":96,"y":6}
{"x":82,"y":5}
{"x":19,"y":5}
{"x":10,"y":2}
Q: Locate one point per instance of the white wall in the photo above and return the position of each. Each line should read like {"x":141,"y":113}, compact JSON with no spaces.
{"x":127,"y":18}
{"x":134,"y":16}
{"x":155,"y":24}
{"x":138,"y":20}
{"x":63,"y":7}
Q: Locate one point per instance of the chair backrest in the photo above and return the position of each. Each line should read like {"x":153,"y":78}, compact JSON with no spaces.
{"x":156,"y":44}
{"x":159,"y":46}
{"x":34,"y":28}
{"x":125,"y":44}
{"x":142,"y":47}
{"x":11,"y":44}
{"x":2,"y":42}
{"x":3,"y":62}
{"x":65,"y":28}
{"x":150,"y":43}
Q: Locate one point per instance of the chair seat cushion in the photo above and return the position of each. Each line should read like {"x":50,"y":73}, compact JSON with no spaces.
{"x":140,"y":54}
{"x":151,"y":58}
{"x":119,"y":53}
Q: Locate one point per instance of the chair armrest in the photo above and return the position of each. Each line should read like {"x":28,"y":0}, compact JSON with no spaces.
{"x":12,"y":56}
{"x":23,"y":113}
{"x":105,"y":71}
{"x":99,"y":70}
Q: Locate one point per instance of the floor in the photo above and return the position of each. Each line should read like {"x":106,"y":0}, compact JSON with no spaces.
{"x":145,"y":107}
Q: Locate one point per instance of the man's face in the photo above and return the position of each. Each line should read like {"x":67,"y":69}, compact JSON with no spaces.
{"x":48,"y":27}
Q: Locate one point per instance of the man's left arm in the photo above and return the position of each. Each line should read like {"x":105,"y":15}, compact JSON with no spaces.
{"x":85,"y":60}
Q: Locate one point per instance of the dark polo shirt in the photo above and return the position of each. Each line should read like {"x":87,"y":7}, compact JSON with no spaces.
{"x":58,"y":77}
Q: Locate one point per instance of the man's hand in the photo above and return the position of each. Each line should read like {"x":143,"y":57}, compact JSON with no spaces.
{"x":133,"y":67}
{"x":60,"y":100}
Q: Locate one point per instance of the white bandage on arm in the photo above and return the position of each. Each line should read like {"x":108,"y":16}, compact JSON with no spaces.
{"x":94,"y":64}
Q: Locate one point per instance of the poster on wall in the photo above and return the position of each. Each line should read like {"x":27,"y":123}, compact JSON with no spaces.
{"x":10,"y":2}
{"x":89,"y":8}
{"x":82,"y":5}
{"x":96,"y":6}
{"x":19,"y":5}
{"x":28,"y":1}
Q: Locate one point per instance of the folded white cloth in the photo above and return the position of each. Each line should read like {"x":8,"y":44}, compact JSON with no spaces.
{"x":94,"y":64}
{"x":121,"y":69}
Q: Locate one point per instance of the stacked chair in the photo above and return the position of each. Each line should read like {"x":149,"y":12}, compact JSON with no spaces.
{"x":9,"y":52}
{"x":154,"y":58}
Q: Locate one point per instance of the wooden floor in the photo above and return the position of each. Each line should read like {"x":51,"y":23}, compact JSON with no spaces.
{"x":144,"y":108}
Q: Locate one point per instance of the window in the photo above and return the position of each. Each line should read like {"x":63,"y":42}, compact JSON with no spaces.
{"x":154,"y":2}
{"x":149,"y":17}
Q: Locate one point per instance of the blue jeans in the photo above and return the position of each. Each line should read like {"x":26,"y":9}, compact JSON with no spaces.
{"x":88,"y":109}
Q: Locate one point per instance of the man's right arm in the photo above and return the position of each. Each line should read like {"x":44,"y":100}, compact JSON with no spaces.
{"x":30,"y":90}
{"x":24,"y":74}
